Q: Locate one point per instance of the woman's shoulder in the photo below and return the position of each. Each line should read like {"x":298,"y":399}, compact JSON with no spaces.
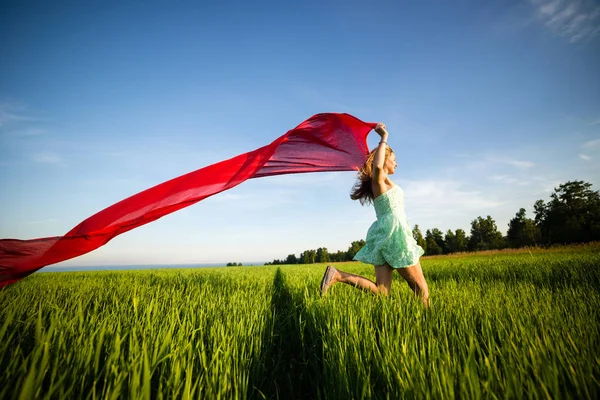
{"x":391,"y":184}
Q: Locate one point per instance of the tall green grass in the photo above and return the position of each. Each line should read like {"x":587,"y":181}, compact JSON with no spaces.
{"x":522,"y":325}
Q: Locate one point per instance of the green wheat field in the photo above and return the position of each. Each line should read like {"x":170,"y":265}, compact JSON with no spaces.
{"x":508,"y":324}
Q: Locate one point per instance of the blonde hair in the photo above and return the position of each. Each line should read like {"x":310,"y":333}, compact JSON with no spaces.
{"x":363,"y":189}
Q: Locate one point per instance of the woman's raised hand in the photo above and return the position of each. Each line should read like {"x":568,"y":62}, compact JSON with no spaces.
{"x":380,"y":129}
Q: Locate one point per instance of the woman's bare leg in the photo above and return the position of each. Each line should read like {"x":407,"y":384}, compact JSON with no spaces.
{"x":383,"y":276}
{"x":415,"y":279}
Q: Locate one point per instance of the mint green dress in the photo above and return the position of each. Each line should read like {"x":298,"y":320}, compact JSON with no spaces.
{"x":390,"y":238}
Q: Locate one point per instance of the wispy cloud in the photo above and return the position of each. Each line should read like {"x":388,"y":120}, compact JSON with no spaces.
{"x":509,"y":180}
{"x":11,"y":112}
{"x":28,"y":132}
{"x":592,"y":144}
{"x":491,"y":160}
{"x":576,"y":20}
{"x":585,"y":157}
{"x":519,"y":163}
{"x":7,"y":115}
{"x":595,"y":122}
{"x":43,"y":221}
{"x":47,"y":157}
{"x":440,"y":195}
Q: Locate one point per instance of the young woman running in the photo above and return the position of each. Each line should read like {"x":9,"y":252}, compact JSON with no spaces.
{"x":389,"y":245}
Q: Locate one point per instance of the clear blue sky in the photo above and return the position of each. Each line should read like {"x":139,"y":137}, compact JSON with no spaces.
{"x":490,"y":105}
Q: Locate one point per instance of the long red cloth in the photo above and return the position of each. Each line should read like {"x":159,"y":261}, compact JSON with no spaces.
{"x":324,"y":142}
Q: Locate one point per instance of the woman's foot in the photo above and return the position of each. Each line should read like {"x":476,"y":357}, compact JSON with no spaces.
{"x":327,"y":279}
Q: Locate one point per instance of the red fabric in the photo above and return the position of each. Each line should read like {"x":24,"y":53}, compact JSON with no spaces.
{"x":324,"y":142}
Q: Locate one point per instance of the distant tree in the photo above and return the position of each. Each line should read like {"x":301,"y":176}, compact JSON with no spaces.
{"x":431,"y":238}
{"x":522,"y":231}
{"x":438,"y":236}
{"x":322,"y":255}
{"x":571,"y":215}
{"x":462,"y":242}
{"x":419,"y":237}
{"x":485,"y":235}
{"x":540,"y":212}
{"x":337,"y":256}
{"x":354,"y":248}
{"x":291,"y":259}
{"x":450,"y":242}
{"x":308,"y":256}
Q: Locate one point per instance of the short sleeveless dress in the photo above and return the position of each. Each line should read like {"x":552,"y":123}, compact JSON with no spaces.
{"x":390,"y":238}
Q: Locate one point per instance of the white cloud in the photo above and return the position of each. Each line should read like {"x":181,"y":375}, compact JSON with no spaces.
{"x":445,"y":204}
{"x":27,"y":132}
{"x":592,"y":143}
{"x":550,"y":8}
{"x":491,"y":162}
{"x":47,"y":157}
{"x":43,"y":221}
{"x":509,"y":180}
{"x":444,"y":193}
{"x":584,"y":157}
{"x":519,"y":164}
{"x":10,"y":113}
{"x":576,"y":20}
{"x":503,"y":178}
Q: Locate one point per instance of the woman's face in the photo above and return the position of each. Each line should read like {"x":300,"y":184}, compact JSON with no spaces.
{"x":390,"y":164}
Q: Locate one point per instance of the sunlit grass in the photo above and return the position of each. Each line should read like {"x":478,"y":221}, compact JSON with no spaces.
{"x":505,"y":325}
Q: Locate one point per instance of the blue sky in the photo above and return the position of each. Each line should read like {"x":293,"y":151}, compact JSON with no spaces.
{"x":489,"y":105}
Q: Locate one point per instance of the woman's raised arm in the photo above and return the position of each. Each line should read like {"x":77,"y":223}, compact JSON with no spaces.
{"x":379,"y":174}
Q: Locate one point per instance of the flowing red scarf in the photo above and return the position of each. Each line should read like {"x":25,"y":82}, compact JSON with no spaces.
{"x":324,"y":142}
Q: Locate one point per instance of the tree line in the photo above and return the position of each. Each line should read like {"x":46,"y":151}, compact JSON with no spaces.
{"x":321,"y":255}
{"x":571,"y":216}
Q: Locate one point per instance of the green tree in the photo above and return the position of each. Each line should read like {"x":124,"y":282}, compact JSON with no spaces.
{"x":291,"y":259}
{"x":450,"y":242}
{"x":419,"y":237}
{"x":438,"y":236}
{"x":354,"y":248}
{"x":485,"y":235}
{"x":571,"y":215}
{"x":522,"y":231}
{"x":308,"y":257}
{"x":322,"y":255}
{"x":462,"y":242}
{"x":540,"y":211}
{"x":432,"y":238}
{"x":337,"y":256}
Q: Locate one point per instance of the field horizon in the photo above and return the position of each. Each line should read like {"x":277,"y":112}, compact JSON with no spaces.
{"x":592,"y":246}
{"x":504,"y":324}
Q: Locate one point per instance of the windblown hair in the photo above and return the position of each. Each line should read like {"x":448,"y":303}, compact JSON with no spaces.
{"x":363,"y":189}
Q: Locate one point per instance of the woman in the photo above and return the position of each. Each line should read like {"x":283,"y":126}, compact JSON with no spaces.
{"x":390,"y":245}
